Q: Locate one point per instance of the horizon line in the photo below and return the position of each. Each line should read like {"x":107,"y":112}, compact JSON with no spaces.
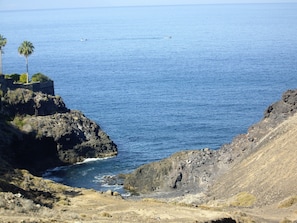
{"x":136,"y":6}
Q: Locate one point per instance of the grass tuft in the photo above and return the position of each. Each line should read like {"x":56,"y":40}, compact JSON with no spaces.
{"x":106,"y":214}
{"x":243,"y":199}
{"x":288,"y":202}
{"x":285,"y":220}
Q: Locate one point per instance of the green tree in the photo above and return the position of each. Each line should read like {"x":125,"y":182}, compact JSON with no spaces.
{"x":3,"y":42}
{"x":26,"y":49}
{"x":39,"y":77}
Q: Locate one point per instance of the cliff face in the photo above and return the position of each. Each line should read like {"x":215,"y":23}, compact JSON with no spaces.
{"x":25,"y":102}
{"x":44,"y":133}
{"x":196,"y":171}
{"x":75,"y":136}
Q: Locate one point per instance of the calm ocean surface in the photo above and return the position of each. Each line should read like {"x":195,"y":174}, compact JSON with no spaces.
{"x":159,"y":79}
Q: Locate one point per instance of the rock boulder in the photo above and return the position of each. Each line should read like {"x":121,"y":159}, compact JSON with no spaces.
{"x":75,"y":136}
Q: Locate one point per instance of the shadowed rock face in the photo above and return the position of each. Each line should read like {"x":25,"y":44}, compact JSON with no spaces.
{"x":75,"y":136}
{"x":26,"y":102}
{"x":46,"y":133}
{"x":183,"y":171}
{"x":283,"y":108}
{"x":195,"y":171}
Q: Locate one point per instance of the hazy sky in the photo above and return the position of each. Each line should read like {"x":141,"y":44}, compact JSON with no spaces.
{"x":40,"y":4}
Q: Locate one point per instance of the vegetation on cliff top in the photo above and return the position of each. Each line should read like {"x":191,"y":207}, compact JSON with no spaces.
{"x":25,"y":49}
{"x":22,"y":78}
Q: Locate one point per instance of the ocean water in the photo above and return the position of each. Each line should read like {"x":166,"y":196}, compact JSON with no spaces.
{"x":158,"y":79}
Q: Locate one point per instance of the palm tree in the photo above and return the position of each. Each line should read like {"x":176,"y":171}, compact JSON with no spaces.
{"x":3,"y":42}
{"x":26,"y":49}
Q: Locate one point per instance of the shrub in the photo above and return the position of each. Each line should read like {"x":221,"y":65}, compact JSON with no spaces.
{"x":39,"y":77}
{"x":18,"y":96}
{"x":290,"y":201}
{"x":23,"y":78}
{"x":16,"y":202}
{"x":106,"y":214}
{"x":15,"y":77}
{"x":286,"y":221}
{"x":18,"y":121}
{"x":243,"y":199}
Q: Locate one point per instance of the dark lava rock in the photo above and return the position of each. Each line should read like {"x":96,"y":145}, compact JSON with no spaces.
{"x":183,"y":171}
{"x":75,"y":136}
{"x":195,"y":171}
{"x":283,"y":108}
{"x":26,"y":102}
{"x":38,"y":132}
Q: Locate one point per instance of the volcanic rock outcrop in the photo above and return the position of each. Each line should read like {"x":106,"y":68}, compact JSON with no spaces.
{"x":196,"y":171}
{"x":43,"y":133}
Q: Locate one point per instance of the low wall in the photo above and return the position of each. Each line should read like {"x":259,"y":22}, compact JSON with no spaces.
{"x":44,"y":87}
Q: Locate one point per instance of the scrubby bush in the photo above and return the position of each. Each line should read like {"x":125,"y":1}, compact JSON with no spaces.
{"x":18,"y":121}
{"x":18,"y":96}
{"x":15,"y":77}
{"x":106,"y":214}
{"x":39,"y":77}
{"x":286,"y":221}
{"x":288,"y":202}
{"x":23,"y":78}
{"x":17,"y":203}
{"x":243,"y":199}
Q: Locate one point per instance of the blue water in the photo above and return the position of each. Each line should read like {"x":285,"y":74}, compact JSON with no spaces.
{"x":159,"y":79}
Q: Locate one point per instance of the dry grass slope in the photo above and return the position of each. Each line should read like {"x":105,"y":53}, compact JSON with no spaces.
{"x":269,"y":174}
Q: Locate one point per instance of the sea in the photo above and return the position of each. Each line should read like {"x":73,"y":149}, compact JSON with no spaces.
{"x":158,"y":79}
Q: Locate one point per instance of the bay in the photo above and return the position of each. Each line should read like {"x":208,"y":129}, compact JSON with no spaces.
{"x":158,"y":79}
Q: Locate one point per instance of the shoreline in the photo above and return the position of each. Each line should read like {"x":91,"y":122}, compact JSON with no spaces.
{"x":235,"y":195}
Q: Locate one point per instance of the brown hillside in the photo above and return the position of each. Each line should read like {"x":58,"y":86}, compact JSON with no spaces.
{"x":269,"y":173}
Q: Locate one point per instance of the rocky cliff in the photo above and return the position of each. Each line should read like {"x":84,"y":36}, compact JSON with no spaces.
{"x":196,"y":171}
{"x":252,"y":179}
{"x":38,"y":132}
